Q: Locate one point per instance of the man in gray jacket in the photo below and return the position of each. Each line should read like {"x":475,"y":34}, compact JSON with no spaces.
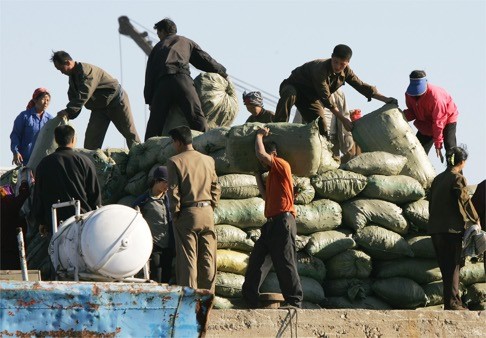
{"x":98,"y":91}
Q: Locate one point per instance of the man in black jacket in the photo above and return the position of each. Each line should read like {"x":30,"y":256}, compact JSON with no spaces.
{"x":168,"y":80}
{"x":62,"y":176}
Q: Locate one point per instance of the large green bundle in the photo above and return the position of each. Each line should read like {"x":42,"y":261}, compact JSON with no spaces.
{"x":360,"y":212}
{"x":396,"y":189}
{"x":311,"y":267}
{"x":325,"y":244}
{"x":303,"y":190}
{"x":231,"y":261}
{"x":421,"y":270}
{"x":381,"y":243}
{"x":238,"y":186}
{"x":229,"y":284}
{"x":231,"y":237}
{"x":387,"y":130}
{"x":45,"y":143}
{"x":434,"y":292}
{"x":422,"y":246}
{"x":376,"y":163}
{"x":401,"y":293}
{"x":102,"y":163}
{"x":221,"y":162}
{"x":313,"y":291}
{"x":418,"y":213}
{"x":219,"y":100}
{"x":327,"y":159}
{"x":300,"y":145}
{"x":143,"y":156}
{"x":338,"y":185}
{"x":245,"y":213}
{"x":219,"y":103}
{"x":472,"y":273}
{"x":320,"y":215}
{"x":370,"y":303}
{"x":211,"y":141}
{"x":352,"y":288}
{"x":38,"y":255}
{"x":228,"y":303}
{"x":349,"y":264}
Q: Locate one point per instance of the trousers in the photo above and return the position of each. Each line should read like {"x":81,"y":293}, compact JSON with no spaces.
{"x":449,"y":133}
{"x":277,"y":240}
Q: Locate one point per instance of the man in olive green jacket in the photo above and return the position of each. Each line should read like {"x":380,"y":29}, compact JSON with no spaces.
{"x":98,"y":91}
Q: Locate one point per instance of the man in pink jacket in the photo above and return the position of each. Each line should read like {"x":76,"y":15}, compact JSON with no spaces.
{"x":434,"y":112}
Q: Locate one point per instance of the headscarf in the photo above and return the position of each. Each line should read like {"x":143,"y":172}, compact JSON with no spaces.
{"x":38,"y":92}
{"x":253,"y":98}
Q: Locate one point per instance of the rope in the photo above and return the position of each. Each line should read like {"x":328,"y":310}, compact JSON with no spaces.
{"x":288,"y":321}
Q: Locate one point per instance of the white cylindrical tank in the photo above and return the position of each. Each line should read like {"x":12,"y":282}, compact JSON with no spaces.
{"x":113,"y":241}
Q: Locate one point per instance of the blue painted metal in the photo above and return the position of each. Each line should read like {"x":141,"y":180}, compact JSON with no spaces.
{"x":102,"y":309}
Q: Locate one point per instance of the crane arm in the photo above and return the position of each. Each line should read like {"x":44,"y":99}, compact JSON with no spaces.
{"x":126,"y":28}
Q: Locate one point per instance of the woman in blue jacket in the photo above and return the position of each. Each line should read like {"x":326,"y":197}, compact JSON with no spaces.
{"x":27,"y":126}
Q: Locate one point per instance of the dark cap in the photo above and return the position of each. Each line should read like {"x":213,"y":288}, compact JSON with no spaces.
{"x":160,"y":173}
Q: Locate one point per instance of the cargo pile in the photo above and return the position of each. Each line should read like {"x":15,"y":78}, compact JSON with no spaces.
{"x":361,"y":226}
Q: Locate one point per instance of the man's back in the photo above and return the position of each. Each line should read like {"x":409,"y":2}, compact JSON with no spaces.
{"x":63,"y":176}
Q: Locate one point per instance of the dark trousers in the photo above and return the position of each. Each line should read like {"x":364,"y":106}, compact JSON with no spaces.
{"x":161,"y":264}
{"x":175,"y":89}
{"x":120,"y":113}
{"x":449,"y":133}
{"x":448,"y":248}
{"x":278,"y":241}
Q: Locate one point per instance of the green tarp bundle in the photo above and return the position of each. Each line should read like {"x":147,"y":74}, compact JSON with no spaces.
{"x":352,"y":288}
{"x":418,"y":213}
{"x":211,"y":141}
{"x":376,"y":163}
{"x":401,"y":293}
{"x":472,"y":273}
{"x":382,"y":243}
{"x":434,"y":292}
{"x":311,"y":267}
{"x":300,"y":145}
{"x":319,"y":215}
{"x":475,"y":296}
{"x":313,"y":291}
{"x":387,"y":130}
{"x":338,"y":185}
{"x":228,"y":284}
{"x":325,"y":244}
{"x":421,"y":270}
{"x":397,"y":189}
{"x":370,"y":303}
{"x":231,"y":237}
{"x":349,"y":264}
{"x":232,"y":261}
{"x":360,"y":212}
{"x":303,"y":190}
{"x":422,"y":246}
{"x":238,"y":186}
{"x":245,"y":213}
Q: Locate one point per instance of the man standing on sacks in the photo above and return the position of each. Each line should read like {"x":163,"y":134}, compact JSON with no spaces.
{"x":278,"y":234}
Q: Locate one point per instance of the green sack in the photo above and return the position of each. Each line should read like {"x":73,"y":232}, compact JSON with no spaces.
{"x":311,"y":267}
{"x":338,"y":185}
{"x":349,"y":264}
{"x":221,"y":163}
{"x":420,"y":270}
{"x":352,"y":288}
{"x":434,"y":292}
{"x":313,"y":291}
{"x":211,"y":141}
{"x":232,"y":261}
{"x":327,"y":162}
{"x":245,"y":213}
{"x":320,"y":215}
{"x":475,"y":296}
{"x":401,"y":293}
{"x":300,"y":145}
{"x":325,"y":244}
{"x":238,"y":186}
{"x":387,"y":130}
{"x":138,"y":184}
{"x":303,"y":190}
{"x":472,"y":273}
{"x":360,"y":212}
{"x":422,"y":246}
{"x":231,"y":237}
{"x":376,"y":163}
{"x":222,"y":303}
{"x":228,"y":284}
{"x":396,"y":189}
{"x":418,"y":213}
{"x":382,"y":243}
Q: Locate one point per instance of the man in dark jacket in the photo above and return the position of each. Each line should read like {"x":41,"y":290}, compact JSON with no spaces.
{"x":168,"y":80}
{"x":310,"y":86}
{"x":92,"y":87}
{"x":61,"y":177}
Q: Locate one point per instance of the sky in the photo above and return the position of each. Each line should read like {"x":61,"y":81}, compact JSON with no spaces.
{"x":260,"y":43}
